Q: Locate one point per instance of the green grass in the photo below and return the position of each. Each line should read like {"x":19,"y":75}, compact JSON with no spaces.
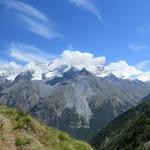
{"x":20,"y":140}
{"x":33,"y":135}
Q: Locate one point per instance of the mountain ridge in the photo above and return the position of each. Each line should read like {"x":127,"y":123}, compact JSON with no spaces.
{"x":45,"y":70}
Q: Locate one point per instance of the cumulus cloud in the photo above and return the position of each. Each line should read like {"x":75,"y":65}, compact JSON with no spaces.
{"x":145,"y":76}
{"x":33,"y":19}
{"x":7,"y":65}
{"x":40,"y":62}
{"x":80,"y":60}
{"x":28,"y":53}
{"x":89,"y":6}
{"x":10,"y":69}
{"x":122,"y":69}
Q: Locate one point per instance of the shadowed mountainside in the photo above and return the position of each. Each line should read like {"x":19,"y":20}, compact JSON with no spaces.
{"x":130,"y":131}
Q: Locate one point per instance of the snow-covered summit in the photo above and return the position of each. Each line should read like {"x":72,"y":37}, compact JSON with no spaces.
{"x":50,"y":70}
{"x":38,"y":70}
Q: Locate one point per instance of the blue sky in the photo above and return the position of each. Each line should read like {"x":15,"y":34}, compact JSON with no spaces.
{"x":118,"y":29}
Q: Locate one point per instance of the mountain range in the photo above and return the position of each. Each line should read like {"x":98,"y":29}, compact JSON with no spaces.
{"x":57,"y":67}
{"x":74,"y":100}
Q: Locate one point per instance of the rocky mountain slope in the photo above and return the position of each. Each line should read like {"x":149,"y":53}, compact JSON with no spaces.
{"x":18,"y":131}
{"x":130,"y":131}
{"x":78,"y":101}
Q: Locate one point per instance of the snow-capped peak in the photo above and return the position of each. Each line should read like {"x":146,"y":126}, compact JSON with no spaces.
{"x":58,"y":71}
{"x":38,"y":70}
{"x":45,"y":70}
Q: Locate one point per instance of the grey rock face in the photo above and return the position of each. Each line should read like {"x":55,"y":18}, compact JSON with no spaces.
{"x":79,"y":102}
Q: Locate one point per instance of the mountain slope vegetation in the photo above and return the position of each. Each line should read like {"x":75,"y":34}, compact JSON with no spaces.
{"x":19,"y":131}
{"x":130,"y":131}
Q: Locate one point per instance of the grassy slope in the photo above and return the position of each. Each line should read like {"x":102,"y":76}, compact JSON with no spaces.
{"x":19,"y":131}
{"x":127,"y":132}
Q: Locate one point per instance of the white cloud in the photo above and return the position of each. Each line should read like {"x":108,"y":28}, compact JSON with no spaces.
{"x":40,"y":62}
{"x":145,"y":76}
{"x":25,"y":9}
{"x":33,"y":19}
{"x":80,"y":60}
{"x":10,"y":69}
{"x":137,"y":47}
{"x":8,"y":65}
{"x":28,"y":53}
{"x":39,"y":28}
{"x":122,"y":69}
{"x":144,"y":65}
{"x":35,"y":58}
{"x":89,"y":6}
